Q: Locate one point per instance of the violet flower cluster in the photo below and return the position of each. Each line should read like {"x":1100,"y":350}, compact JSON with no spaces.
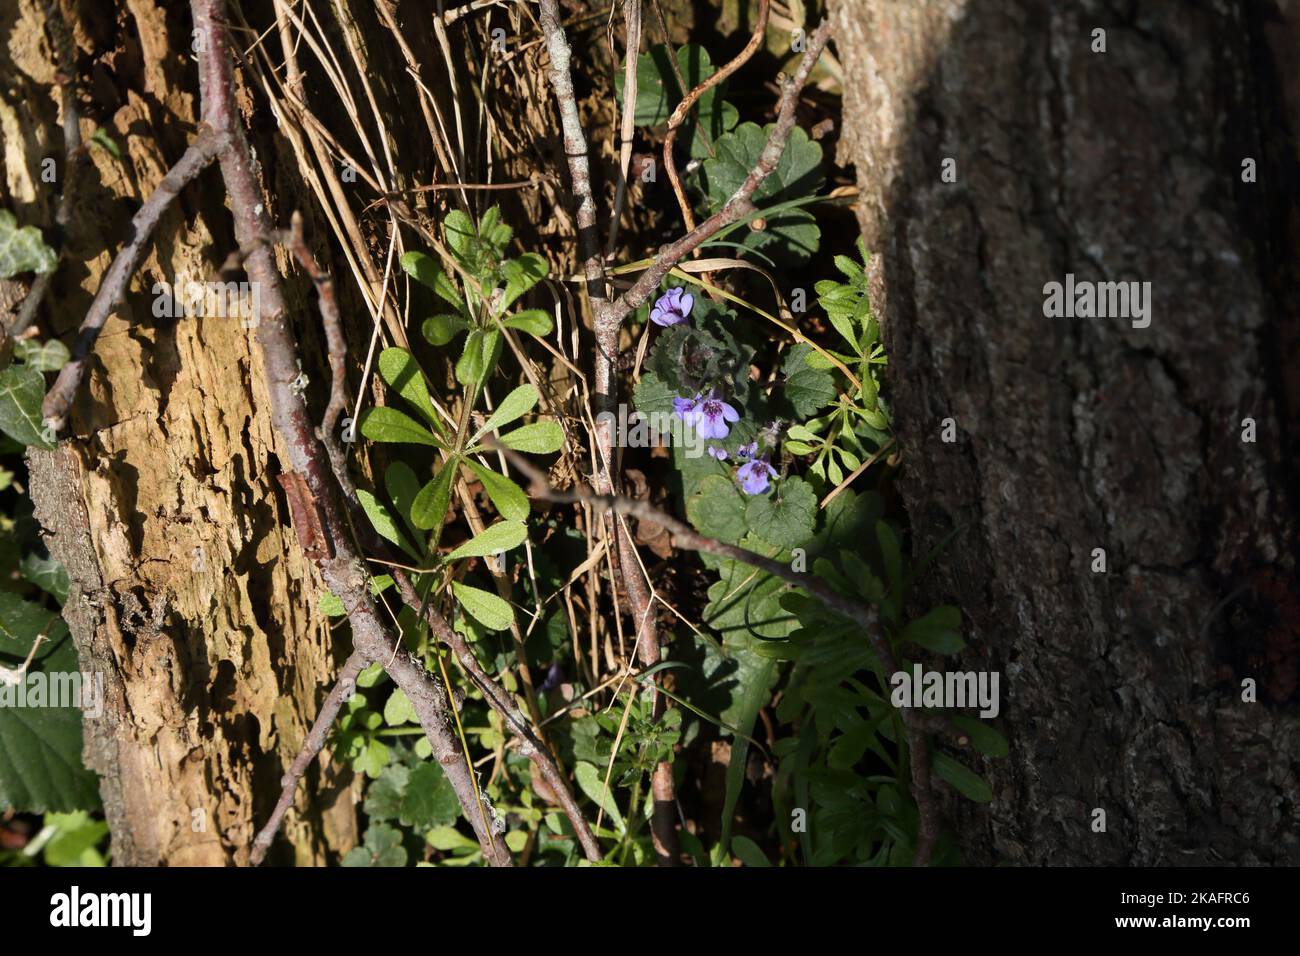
{"x":710,"y":415}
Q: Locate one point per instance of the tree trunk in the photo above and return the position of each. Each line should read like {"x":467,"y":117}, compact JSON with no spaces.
{"x":188,"y":590}
{"x":1121,"y":690}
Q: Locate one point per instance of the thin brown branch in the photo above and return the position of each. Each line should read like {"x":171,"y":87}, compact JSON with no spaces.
{"x":321,"y":529}
{"x":683,"y":109}
{"x":496,"y":697}
{"x":205,"y":148}
{"x":311,"y":746}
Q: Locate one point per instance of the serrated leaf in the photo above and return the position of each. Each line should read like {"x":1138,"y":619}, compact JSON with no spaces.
{"x":428,"y":799}
{"x":539,"y":438}
{"x":488,"y":609}
{"x":658,"y":93}
{"x":807,"y":389}
{"x":514,"y":406}
{"x":786,"y":518}
{"x":384,"y":424}
{"x":717,"y":509}
{"x":430,"y":505}
{"x":22,"y":390}
{"x":500,"y":537}
{"x":506,"y":496}
{"x":23,"y":249}
{"x":399,"y":369}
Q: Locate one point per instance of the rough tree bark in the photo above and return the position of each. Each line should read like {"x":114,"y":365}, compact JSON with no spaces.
{"x":1120,"y":690}
{"x":189,"y":591}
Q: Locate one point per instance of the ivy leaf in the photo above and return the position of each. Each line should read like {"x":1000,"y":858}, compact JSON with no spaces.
{"x":515,"y":405}
{"x":488,"y":609}
{"x":399,"y":370}
{"x":40,"y":747}
{"x":786,"y":518}
{"x":539,"y":438}
{"x":807,"y":389}
{"x":23,"y":250}
{"x":658,"y":93}
{"x":47,"y":574}
{"x":533,"y":321}
{"x":43,"y":356}
{"x":386,"y":424}
{"x":500,"y":537}
{"x":507,"y":497}
{"x":430,"y":506}
{"x":22,"y":389}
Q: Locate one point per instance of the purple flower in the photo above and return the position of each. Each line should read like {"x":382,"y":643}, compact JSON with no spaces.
{"x":756,"y":476}
{"x":684,"y":408}
{"x":711,"y":417}
{"x":672,"y":307}
{"x":716,"y":452}
{"x":746,"y":452}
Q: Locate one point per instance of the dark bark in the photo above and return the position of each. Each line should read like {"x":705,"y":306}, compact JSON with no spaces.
{"x":1122,"y":690}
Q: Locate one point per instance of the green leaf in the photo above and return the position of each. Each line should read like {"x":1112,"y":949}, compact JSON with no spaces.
{"x":968,"y":783}
{"x":430,"y":506}
{"x":748,"y":852}
{"x":533,"y":321}
{"x":593,"y":785}
{"x":74,"y":839}
{"x":986,"y":740}
{"x":40,"y":747}
{"x":23,"y":250}
{"x":383,"y":847}
{"x":807,"y":389}
{"x":479,"y":357}
{"x":937,"y":631}
{"x":398,"y":709}
{"x":384,"y":424}
{"x":448,"y":839}
{"x":488,"y":609}
{"x":402,"y":487}
{"x":384,"y":522}
{"x":331,"y":606}
{"x":500,"y":537}
{"x":43,"y":356}
{"x":786,"y":518}
{"x":22,"y":390}
{"x":507,"y":497}
{"x":428,"y":799}
{"x":653,"y":394}
{"x":399,"y":370}
{"x":658,"y":93}
{"x":521,"y":275}
{"x":460,"y":233}
{"x":47,"y":574}
{"x":429,"y":274}
{"x":515,"y":405}
{"x":103,"y":140}
{"x":717,"y":509}
{"x":441,"y":329}
{"x":539,"y":438}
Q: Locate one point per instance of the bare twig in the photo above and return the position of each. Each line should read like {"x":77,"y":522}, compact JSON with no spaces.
{"x":320,"y":527}
{"x":632,"y":34}
{"x":315,"y":742}
{"x":112,"y":289}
